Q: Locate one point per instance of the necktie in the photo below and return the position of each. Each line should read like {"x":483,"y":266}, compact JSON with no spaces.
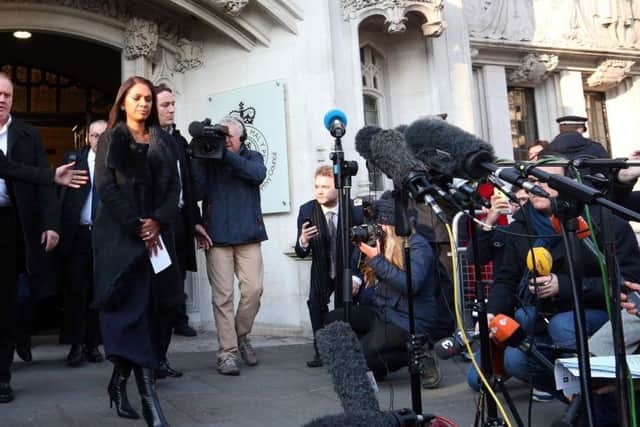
{"x":94,"y":201}
{"x":331,"y":227}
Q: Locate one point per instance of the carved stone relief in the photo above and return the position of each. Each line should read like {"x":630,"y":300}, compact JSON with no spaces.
{"x":140,"y":38}
{"x":571,"y":23}
{"x":534,"y":68}
{"x":609,"y":74}
{"x":500,"y":19}
{"x":190,"y":55}
{"x":231,"y":7}
{"x":395,"y":12}
{"x":117,"y":9}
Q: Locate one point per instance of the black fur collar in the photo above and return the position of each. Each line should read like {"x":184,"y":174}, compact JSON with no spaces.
{"x":127,"y":156}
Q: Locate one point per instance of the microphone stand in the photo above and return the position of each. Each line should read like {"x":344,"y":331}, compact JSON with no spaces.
{"x":568,"y":212}
{"x":416,"y":343}
{"x":343,"y":170}
{"x":480,"y":308}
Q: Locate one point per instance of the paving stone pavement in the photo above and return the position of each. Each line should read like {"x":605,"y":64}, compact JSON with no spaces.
{"x":280,"y":391}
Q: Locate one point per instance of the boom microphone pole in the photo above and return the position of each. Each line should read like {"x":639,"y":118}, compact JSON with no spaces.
{"x":336,"y":121}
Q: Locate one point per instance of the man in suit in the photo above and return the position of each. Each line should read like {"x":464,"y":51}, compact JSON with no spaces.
{"x":80,"y":326}
{"x":318,"y":225}
{"x":187,"y":226}
{"x":28,"y":224}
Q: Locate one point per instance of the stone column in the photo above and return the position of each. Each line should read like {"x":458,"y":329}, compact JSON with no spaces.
{"x":571,"y":94}
{"x":451,"y":78}
{"x":497,"y":103}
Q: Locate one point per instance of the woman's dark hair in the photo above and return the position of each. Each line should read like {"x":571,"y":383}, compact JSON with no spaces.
{"x":117,"y":114}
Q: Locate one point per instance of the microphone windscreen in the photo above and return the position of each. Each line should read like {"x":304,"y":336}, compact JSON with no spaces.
{"x":389,"y":153}
{"x":583,"y":228}
{"x":342,"y":354}
{"x":503,"y":327}
{"x":454,"y":151}
{"x":539,"y":259}
{"x":333,"y":115}
{"x":446,"y":348}
{"x":363,"y":140}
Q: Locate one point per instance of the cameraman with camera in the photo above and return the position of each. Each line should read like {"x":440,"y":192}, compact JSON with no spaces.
{"x":229,"y":185}
{"x":381,"y":320}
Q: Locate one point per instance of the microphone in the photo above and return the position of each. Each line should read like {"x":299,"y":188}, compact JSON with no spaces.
{"x":363,"y":141}
{"x":336,"y":123}
{"x":508,"y":332}
{"x":341,"y":352}
{"x":539,"y":259}
{"x":448,"y":347}
{"x":455,"y":152}
{"x":389,"y":154}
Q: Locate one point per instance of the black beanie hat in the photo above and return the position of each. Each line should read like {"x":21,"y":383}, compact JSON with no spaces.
{"x":385,"y":209}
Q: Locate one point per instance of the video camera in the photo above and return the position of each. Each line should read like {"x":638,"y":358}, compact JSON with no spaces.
{"x":208,"y":140}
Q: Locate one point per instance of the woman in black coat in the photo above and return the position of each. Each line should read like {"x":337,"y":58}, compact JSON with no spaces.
{"x":136,"y":180}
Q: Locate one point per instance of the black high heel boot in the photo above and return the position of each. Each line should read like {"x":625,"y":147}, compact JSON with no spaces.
{"x":151,"y":410}
{"x":118,"y":389}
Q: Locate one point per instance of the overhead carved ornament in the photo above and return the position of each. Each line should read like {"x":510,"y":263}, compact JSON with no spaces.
{"x":231,"y":7}
{"x":140,"y":38}
{"x":395,"y":12}
{"x":534,"y":68}
{"x":610,"y":73}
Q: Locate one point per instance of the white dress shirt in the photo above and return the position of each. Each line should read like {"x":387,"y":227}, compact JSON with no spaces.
{"x":85,"y":213}
{"x":4,"y":193}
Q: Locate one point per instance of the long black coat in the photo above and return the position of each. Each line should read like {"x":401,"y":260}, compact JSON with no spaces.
{"x":133,"y":186}
{"x":72,"y":201}
{"x":191,"y":210}
{"x":37,"y":205}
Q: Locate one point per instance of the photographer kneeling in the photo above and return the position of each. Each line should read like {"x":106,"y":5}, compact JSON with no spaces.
{"x":381,"y":319}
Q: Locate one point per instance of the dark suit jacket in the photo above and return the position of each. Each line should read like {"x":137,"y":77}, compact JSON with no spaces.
{"x":71,"y":202}
{"x":36,"y":205}
{"x":24,"y":173}
{"x":320,"y":276}
{"x":191,"y":212}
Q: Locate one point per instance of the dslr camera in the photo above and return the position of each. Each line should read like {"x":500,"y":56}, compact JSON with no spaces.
{"x":208,"y":140}
{"x":366,"y":233}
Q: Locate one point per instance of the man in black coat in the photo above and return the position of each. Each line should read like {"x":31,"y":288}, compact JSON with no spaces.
{"x":318,"y":233}
{"x":28,"y":224}
{"x":187,"y":226}
{"x":78,"y":207}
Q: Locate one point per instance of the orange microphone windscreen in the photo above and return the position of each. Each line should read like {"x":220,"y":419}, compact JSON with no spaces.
{"x":503,"y":327}
{"x":583,"y":227}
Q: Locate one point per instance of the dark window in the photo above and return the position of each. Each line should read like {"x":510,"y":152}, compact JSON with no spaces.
{"x":522,"y":116}
{"x":372,"y":117}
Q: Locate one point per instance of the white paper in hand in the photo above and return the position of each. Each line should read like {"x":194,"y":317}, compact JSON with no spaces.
{"x":161,"y":260}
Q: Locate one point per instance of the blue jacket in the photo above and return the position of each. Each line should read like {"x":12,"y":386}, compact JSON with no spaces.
{"x":230,"y":192}
{"x":390,"y":294}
